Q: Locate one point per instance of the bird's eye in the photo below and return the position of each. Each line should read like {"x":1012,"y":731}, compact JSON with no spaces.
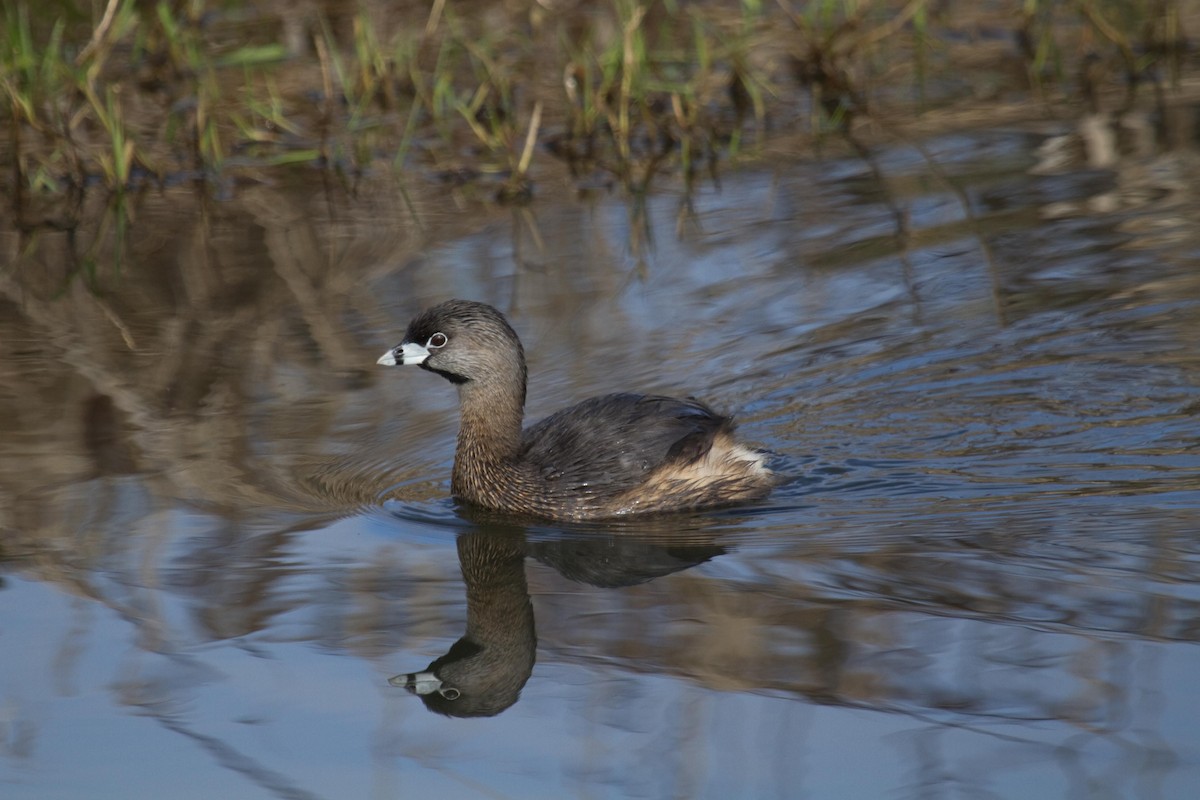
{"x":437,"y":340}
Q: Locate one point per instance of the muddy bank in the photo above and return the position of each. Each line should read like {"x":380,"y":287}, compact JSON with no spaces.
{"x":497,"y":98}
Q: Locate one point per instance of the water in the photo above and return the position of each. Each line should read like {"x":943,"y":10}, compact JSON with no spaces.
{"x":224,"y":528}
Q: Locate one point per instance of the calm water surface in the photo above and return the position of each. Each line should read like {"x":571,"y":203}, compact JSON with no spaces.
{"x":224,"y":528}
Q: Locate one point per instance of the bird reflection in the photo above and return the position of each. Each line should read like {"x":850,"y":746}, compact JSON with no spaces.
{"x":483,"y":672}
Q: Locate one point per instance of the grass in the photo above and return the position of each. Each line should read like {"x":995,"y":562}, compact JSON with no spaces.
{"x":141,"y":94}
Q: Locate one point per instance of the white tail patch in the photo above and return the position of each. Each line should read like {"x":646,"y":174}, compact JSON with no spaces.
{"x":729,"y":472}
{"x":756,"y":461}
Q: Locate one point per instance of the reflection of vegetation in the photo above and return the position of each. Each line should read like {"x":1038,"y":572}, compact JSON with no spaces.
{"x":143,"y":92}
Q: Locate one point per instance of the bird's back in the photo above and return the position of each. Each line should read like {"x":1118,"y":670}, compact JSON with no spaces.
{"x":625,"y":452}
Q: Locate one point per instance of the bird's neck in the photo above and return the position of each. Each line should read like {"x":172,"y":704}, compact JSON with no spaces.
{"x":490,"y":426}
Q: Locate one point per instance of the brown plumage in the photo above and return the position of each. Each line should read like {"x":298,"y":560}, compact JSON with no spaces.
{"x":605,"y":457}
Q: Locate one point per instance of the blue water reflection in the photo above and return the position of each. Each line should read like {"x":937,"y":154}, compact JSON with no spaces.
{"x":221,"y":540}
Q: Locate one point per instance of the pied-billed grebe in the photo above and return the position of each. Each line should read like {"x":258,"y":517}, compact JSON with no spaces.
{"x":607,"y":456}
